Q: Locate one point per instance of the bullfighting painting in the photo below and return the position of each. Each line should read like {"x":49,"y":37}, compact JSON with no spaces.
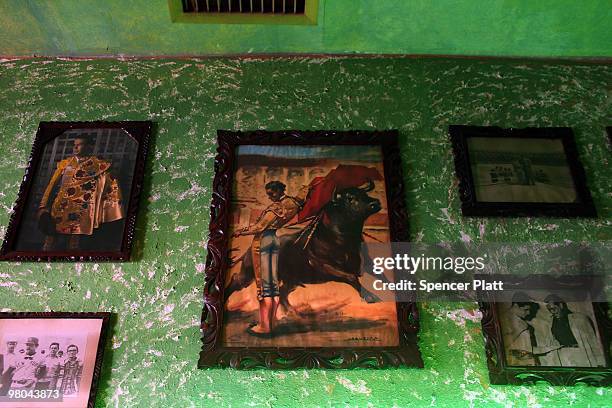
{"x":299,"y":215}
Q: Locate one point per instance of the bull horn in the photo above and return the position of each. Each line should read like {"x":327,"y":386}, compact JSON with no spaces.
{"x":368,"y":187}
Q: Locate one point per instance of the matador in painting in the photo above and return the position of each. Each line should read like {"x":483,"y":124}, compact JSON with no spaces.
{"x":80,"y":197}
{"x":265,"y":248}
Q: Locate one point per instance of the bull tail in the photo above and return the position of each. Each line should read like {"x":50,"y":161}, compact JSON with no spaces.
{"x":235,"y":259}
{"x":243,"y":277}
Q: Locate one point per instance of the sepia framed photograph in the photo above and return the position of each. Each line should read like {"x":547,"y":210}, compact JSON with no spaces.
{"x":79,"y":197}
{"x":520,"y":172}
{"x":283,"y":287}
{"x":540,"y":335}
{"x":51,"y":359}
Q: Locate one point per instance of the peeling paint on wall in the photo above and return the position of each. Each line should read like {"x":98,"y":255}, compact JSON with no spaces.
{"x":151,"y":358}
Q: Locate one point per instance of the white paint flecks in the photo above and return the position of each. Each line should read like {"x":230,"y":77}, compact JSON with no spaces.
{"x":166,"y":313}
{"x":465,"y":237}
{"x":359,"y":387}
{"x":461,"y":316}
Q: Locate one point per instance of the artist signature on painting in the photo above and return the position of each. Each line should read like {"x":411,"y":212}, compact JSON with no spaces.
{"x":363,"y":338}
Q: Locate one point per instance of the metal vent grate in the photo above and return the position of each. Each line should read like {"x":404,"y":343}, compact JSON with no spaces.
{"x":244,"y":11}
{"x":296,"y":7}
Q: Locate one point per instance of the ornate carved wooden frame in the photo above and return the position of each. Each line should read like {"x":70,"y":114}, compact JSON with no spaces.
{"x":213,"y":353}
{"x":470,"y":206}
{"x":502,"y":373}
{"x":47,"y":131}
{"x":104,"y":316}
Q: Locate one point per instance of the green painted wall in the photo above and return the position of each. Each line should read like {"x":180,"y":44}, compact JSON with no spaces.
{"x":565,"y":28}
{"x":152,"y":357}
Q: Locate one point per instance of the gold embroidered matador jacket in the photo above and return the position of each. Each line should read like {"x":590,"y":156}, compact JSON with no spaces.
{"x":82,"y":195}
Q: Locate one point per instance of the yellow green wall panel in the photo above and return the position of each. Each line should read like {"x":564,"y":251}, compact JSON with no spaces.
{"x":543,"y":28}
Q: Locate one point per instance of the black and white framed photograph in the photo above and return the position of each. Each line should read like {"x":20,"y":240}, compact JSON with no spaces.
{"x":520,"y":172}
{"x":79,"y":197}
{"x":547,"y":335}
{"x":50,"y":359}
{"x":550,"y":332}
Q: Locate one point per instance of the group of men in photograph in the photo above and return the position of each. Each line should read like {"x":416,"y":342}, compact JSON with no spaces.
{"x":568,"y":339}
{"x":29,"y":369}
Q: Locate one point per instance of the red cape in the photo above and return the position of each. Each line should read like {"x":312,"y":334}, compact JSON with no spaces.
{"x":322,"y":188}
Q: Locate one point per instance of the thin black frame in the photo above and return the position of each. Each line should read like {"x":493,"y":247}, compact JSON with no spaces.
{"x":502,"y":373}
{"x":213,"y":354}
{"x":47,"y":131}
{"x":104,"y":316}
{"x":470,"y":206}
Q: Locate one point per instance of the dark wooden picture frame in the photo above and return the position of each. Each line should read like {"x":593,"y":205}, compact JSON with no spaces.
{"x":140,"y":132}
{"x":214,"y":353}
{"x":104,"y":317}
{"x":501,"y":372}
{"x":583,"y":206}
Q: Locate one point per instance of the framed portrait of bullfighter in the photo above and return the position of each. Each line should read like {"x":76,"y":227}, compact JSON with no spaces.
{"x":79,"y":198}
{"x":51,"y":359}
{"x":283,"y":286}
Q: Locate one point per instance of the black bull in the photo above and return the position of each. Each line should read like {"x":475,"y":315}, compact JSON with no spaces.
{"x":332,"y":252}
